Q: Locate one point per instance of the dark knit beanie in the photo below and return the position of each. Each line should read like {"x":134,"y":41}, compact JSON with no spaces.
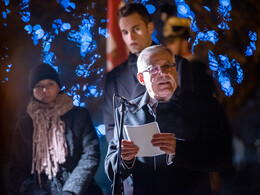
{"x":41,"y":72}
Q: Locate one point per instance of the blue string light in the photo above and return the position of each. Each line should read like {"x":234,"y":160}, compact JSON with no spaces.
{"x":184,"y":11}
{"x":224,"y":3}
{"x":6,"y":2}
{"x":5,"y":60}
{"x":100,"y":129}
{"x":223,"y":10}
{"x":211,"y":36}
{"x":6,"y":12}
{"x":251,"y":47}
{"x":154,"y":36}
{"x":207,"y":8}
{"x":150,"y":8}
{"x":66,"y":4}
{"x":144,"y":1}
{"x":221,"y":65}
{"x":103,"y":32}
{"x":83,"y":39}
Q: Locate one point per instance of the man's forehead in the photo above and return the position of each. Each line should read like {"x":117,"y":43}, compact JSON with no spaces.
{"x":130,"y":21}
{"x":156,"y":57}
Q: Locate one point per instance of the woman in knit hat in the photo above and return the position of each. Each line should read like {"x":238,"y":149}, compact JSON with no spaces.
{"x":56,"y":148}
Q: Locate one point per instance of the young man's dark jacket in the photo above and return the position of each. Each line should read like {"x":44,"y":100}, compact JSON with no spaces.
{"x":76,"y":175}
{"x":203,"y":145}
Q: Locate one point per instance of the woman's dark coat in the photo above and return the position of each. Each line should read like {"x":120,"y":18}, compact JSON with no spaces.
{"x":75,"y":175}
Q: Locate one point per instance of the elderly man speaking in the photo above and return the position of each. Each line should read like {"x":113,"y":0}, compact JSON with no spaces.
{"x":194,"y":135}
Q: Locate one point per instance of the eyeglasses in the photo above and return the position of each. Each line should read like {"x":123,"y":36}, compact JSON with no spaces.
{"x":39,"y":88}
{"x":155,"y":69}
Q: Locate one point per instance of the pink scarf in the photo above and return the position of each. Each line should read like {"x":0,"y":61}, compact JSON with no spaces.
{"x":49,"y":143}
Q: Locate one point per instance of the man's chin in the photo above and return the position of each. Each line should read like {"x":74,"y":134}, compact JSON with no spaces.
{"x":164,"y":97}
{"x":135,"y":51}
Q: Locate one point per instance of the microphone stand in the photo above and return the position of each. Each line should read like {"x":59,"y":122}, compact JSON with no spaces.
{"x":118,"y":187}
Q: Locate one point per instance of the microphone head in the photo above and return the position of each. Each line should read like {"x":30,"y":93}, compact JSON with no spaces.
{"x":132,"y":107}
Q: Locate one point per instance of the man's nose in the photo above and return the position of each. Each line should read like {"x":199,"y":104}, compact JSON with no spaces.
{"x":44,"y":89}
{"x":131,"y":35}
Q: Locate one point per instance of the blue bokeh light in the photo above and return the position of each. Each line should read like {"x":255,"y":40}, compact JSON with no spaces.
{"x":221,"y":65}
{"x":25,"y":12}
{"x":5,"y":62}
{"x":223,"y":10}
{"x":249,"y":51}
{"x":6,"y":2}
{"x":84,"y":70}
{"x":143,"y":1}
{"x":25,"y":2}
{"x":103,"y":32}
{"x":25,"y":16}
{"x":28,"y":28}
{"x":4,"y":15}
{"x":252,"y":36}
{"x":183,"y":9}
{"x":223,"y":26}
{"x":150,"y":8}
{"x":211,"y":36}
{"x":48,"y":57}
{"x":93,"y":90}
{"x":67,"y":4}
{"x":224,"y":3}
{"x":207,"y":8}
{"x":83,"y":37}
{"x":252,"y":46}
{"x":100,"y":129}
{"x":154,"y":36}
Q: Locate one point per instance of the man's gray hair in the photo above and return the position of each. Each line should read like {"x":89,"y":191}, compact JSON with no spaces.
{"x":146,"y":53}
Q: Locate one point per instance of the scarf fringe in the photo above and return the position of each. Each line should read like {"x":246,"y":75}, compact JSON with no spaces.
{"x":49,"y":142}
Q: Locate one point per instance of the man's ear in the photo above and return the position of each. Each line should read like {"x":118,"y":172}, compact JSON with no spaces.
{"x":140,"y":78}
{"x":150,"y":27}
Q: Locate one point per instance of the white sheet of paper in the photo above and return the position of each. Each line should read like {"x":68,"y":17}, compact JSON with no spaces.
{"x":142,"y":136}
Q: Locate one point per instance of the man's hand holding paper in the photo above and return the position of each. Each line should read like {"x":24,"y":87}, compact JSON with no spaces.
{"x":165,"y":141}
{"x":149,"y":140}
{"x":128,"y":150}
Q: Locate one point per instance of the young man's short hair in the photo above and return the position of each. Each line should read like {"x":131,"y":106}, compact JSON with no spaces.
{"x":131,"y":8}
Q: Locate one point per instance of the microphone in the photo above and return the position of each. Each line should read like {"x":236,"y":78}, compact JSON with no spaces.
{"x":131,"y":106}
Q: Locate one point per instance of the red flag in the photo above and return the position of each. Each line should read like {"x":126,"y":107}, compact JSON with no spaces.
{"x":115,"y":47}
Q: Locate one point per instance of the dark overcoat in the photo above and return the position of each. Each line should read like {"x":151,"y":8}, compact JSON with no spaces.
{"x":76,"y":175}
{"x":203,"y":145}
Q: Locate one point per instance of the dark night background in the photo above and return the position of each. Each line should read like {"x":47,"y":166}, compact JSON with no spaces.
{"x":242,"y":108}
